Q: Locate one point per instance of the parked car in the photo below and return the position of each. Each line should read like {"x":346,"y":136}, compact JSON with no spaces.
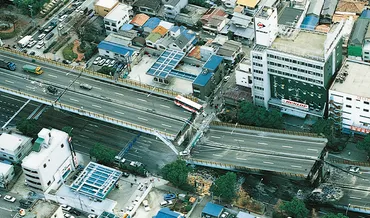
{"x":41,"y":36}
{"x":146,"y":205}
{"x":92,"y":216}
{"x":66,"y":62}
{"x":75,"y":212}
{"x":66,"y":207}
{"x":40,"y":44}
{"x":48,"y":29}
{"x":10,"y":198}
{"x":168,"y":197}
{"x":354,"y":169}
{"x":124,"y":174}
{"x":49,"y":36}
{"x":101,"y":62}
{"x":60,"y":27}
{"x":97,"y":60}
{"x":107,"y":62}
{"x":32,"y":53}
{"x":62,"y":18}
{"x":85,"y":86}
{"x":111,"y":64}
{"x":52,"y":90}
{"x":31,"y":44}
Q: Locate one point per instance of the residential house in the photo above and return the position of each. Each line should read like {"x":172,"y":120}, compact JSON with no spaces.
{"x":243,"y":73}
{"x":250,"y":7}
{"x":173,"y":7}
{"x":117,"y":17}
{"x":6,"y":174}
{"x":356,"y":40}
{"x":212,"y":210}
{"x":149,"y":7}
{"x":150,"y":25}
{"x":214,"y":19}
{"x":191,"y":16}
{"x":327,"y":12}
{"x":179,"y":38}
{"x":139,"y":20}
{"x":230,"y":51}
{"x":167,"y":213}
{"x":103,"y":7}
{"x":151,"y":40}
{"x":241,"y":27}
{"x":14,"y":147}
{"x":116,"y":51}
{"x":366,"y":47}
{"x":230,"y":3}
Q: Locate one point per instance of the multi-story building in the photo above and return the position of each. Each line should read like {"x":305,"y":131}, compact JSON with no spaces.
{"x":51,"y":160}
{"x":243,"y":73}
{"x":349,"y":98}
{"x":293,"y":69}
{"x":14,"y":147}
{"x":103,"y":7}
{"x":6,"y":174}
{"x":118,"y":16}
{"x":173,"y":7}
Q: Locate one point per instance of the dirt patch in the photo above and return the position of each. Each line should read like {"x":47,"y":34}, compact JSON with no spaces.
{"x":80,"y":56}
{"x":10,"y":30}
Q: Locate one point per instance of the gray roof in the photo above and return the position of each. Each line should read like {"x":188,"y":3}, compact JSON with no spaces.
{"x":358,"y":32}
{"x":153,"y":4}
{"x":171,"y":2}
{"x":181,"y":41}
{"x":229,"y":48}
{"x":329,"y":8}
{"x":290,"y":16}
{"x":315,"y":7}
{"x":241,"y":19}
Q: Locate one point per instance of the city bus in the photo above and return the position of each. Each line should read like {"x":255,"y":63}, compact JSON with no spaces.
{"x":188,"y":104}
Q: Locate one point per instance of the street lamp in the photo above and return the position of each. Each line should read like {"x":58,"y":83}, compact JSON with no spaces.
{"x":347,"y":208}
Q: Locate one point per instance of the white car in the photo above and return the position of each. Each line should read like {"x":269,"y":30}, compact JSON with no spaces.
{"x":106,"y":64}
{"x":60,"y":27}
{"x":40,"y":45}
{"x":112,"y":63}
{"x":62,"y":18}
{"x":92,"y":216}
{"x":9,"y":198}
{"x":101,"y":62}
{"x":65,"y":207}
{"x":41,"y":36}
{"x":146,"y":205}
{"x":31,"y":44}
{"x":96,"y":61}
{"x":354,"y":169}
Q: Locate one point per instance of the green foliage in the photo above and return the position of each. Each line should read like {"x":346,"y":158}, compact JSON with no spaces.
{"x":365,"y":144}
{"x":326,"y":128}
{"x":24,"y":6}
{"x":177,"y":173}
{"x":50,"y":47}
{"x":29,"y":127}
{"x":140,"y":171}
{"x":230,"y":35}
{"x":295,"y":208}
{"x":61,"y":43}
{"x":68,"y":129}
{"x":249,"y":114}
{"x":332,"y":215}
{"x":68,"y":53}
{"x":106,"y":70}
{"x":103,"y":154}
{"x":188,"y":207}
{"x":184,"y":11}
{"x":225,"y":187}
{"x":89,"y":33}
{"x":88,"y":49}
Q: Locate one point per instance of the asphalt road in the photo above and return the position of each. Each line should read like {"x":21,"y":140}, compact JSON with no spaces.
{"x":8,"y":209}
{"x":88,"y":132}
{"x":109,"y":99}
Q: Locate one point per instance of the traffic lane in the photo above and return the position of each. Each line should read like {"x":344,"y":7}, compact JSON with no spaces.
{"x":10,"y":104}
{"x":254,"y":160}
{"x":257,"y":142}
{"x":340,"y":175}
{"x":121,"y":94}
{"x":355,"y":198}
{"x":9,"y":209}
{"x":122,"y":112}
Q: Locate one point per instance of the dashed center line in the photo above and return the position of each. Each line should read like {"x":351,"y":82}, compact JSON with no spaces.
{"x":239,"y":158}
{"x":141,"y":99}
{"x":118,"y":112}
{"x":238,"y":140}
{"x":265,"y":162}
{"x":262,"y":143}
{"x":295,"y":166}
{"x":94,"y":105}
{"x":285,"y":146}
{"x":355,"y":198}
{"x":97,"y":88}
{"x":72,"y":99}
{"x":119,"y":94}
{"x":216,"y":137}
{"x":217,"y":155}
{"x":164,"y":106}
{"x":9,"y":81}
{"x":83,"y":136}
{"x":311,"y":149}
{"x":166,"y":125}
{"x":51,"y":75}
{"x":140,"y":118}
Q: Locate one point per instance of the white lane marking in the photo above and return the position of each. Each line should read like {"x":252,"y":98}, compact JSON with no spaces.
{"x":239,"y":158}
{"x":52,"y":75}
{"x":83,"y":136}
{"x":141,"y":99}
{"x":93,"y":125}
{"x":238,"y":140}
{"x":119,"y":94}
{"x":217,"y":155}
{"x":285,"y":146}
{"x":30,"y":87}
{"x":164,"y":106}
{"x":118,"y":112}
{"x":140,"y":118}
{"x":262,"y":143}
{"x":295,"y":166}
{"x":94,"y":105}
{"x":216,"y":137}
{"x":87,"y":130}
{"x":9,"y":81}
{"x":166,"y":125}
{"x":311,"y":149}
{"x":97,"y":88}
{"x":72,"y":99}
{"x":265,"y":162}
{"x":352,"y":197}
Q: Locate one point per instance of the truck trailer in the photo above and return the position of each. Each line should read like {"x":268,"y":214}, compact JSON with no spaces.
{"x":32,"y":69}
{"x":7,"y":65}
{"x":24,"y":41}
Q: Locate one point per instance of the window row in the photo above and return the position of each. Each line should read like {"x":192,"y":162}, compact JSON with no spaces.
{"x":295,"y":61}
{"x":296,"y":76}
{"x":295,"y":69}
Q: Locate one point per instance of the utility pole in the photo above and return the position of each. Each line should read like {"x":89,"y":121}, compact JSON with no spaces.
{"x":30,"y":7}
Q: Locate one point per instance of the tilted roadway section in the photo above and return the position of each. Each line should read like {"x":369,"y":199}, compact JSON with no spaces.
{"x":256,"y":150}
{"x":106,"y":101}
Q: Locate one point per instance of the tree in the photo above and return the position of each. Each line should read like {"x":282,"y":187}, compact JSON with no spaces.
{"x":332,"y":215}
{"x":326,"y":128}
{"x":177,"y":173}
{"x":103,"y":155}
{"x":106,"y":70}
{"x":295,"y":208}
{"x":68,"y":129}
{"x":225,"y":187}
{"x":29,"y":127}
{"x":37,"y":5}
{"x":365,"y":144}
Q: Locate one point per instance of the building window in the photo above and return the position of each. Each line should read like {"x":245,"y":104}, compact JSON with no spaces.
{"x":366,"y":110}
{"x":49,"y":183}
{"x":62,"y":145}
{"x":4,"y":155}
{"x":114,"y":30}
{"x":349,"y":99}
{"x":113,"y":24}
{"x":11,"y":158}
{"x":34,"y":177}
{"x":349,"y":106}
{"x":44,"y":165}
{"x":366,"y":102}
{"x":19,"y":155}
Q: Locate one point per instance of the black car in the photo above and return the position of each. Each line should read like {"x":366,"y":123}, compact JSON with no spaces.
{"x":48,"y":36}
{"x":124,"y":174}
{"x":75,"y":212}
{"x":52,"y":90}
{"x":32,"y":53}
{"x":66,"y":62}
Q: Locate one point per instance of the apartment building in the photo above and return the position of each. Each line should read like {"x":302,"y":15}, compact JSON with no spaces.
{"x":14,"y":147}
{"x":349,"y":98}
{"x":51,"y":160}
{"x":293,"y":69}
{"x":243,"y":73}
{"x":118,"y":16}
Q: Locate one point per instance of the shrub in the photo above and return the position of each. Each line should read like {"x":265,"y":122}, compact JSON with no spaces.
{"x":68,"y":53}
{"x":50,"y":47}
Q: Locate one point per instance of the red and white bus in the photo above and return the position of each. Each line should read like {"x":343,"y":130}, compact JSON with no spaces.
{"x":188,"y":104}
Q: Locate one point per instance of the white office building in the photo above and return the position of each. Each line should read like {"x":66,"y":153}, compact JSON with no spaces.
{"x":6,"y":174}
{"x":14,"y":147}
{"x":349,"y":98}
{"x":243,"y":73}
{"x":51,"y":160}
{"x":118,"y":16}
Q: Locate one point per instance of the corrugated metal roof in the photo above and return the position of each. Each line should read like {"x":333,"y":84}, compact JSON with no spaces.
{"x":213,"y":62}
{"x":127,"y":27}
{"x":310,"y":22}
{"x":365,"y":14}
{"x":139,"y":19}
{"x":289,"y":16}
{"x":329,"y":7}
{"x":160,"y":30}
{"x":153,"y":37}
{"x":315,"y":7}
{"x":212,"y":209}
{"x":358,"y":32}
{"x":115,"y":48}
{"x":167,"y":213}
{"x":152,"y":23}
{"x":203,"y":78}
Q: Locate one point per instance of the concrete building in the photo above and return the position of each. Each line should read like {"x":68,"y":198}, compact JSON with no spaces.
{"x":243,"y":73}
{"x":14,"y":147}
{"x":288,"y":74}
{"x":6,"y":174}
{"x":230,"y":50}
{"x":214,"y":19}
{"x":173,"y":7}
{"x":356,"y":40}
{"x":242,"y":28}
{"x":51,"y":160}
{"x":114,"y":50}
{"x":118,"y":16}
{"x":212,"y":210}
{"x":208,"y":79}
{"x":349,"y":98}
{"x":103,"y":7}
{"x":366,"y":47}
{"x":149,"y":7}
{"x":167,"y":213}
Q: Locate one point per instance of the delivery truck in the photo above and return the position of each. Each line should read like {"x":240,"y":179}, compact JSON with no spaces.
{"x":7,"y":65}
{"x":24,"y":41}
{"x":33,"y":69}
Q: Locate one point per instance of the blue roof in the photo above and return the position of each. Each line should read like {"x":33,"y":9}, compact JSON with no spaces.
{"x":174,"y":28}
{"x":152,"y":23}
{"x":115,"y":48}
{"x":310,"y":22}
{"x":365,"y":14}
{"x":213,"y":62}
{"x":167,"y":213}
{"x":165,"y":63}
{"x":203,"y":78}
{"x":212,"y":209}
{"x":127,"y":27}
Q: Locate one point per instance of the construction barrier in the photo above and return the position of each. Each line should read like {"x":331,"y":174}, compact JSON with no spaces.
{"x":348,"y":162}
